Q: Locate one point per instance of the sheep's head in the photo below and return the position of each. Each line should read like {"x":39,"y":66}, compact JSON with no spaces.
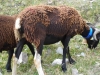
{"x":94,"y":42}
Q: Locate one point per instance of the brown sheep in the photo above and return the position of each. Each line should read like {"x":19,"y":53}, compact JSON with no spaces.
{"x":7,"y":38}
{"x":44,"y":25}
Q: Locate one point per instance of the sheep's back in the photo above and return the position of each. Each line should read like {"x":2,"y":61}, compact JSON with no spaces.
{"x":65,"y":21}
{"x":52,"y":20}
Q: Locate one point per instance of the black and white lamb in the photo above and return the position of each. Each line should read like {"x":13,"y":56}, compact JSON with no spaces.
{"x":44,"y":25}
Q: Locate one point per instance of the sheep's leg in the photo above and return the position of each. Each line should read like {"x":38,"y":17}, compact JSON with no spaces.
{"x":18,"y":52}
{"x":19,"y":47}
{"x":66,"y":50}
{"x":65,"y":43}
{"x":71,"y":61}
{"x":14,"y":68}
{"x":37,"y":59}
{"x":16,"y":56}
{"x":8,"y":65}
{"x":31,"y":48}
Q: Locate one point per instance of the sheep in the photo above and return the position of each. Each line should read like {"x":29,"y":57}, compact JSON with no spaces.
{"x":7,"y":38}
{"x":44,"y":25}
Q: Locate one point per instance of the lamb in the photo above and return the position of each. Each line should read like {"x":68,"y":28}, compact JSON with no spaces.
{"x":7,"y":38}
{"x":44,"y":25}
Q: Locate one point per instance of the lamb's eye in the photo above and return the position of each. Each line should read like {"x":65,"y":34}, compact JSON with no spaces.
{"x":92,"y":38}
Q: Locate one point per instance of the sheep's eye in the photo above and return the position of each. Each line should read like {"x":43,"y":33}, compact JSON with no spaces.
{"x":92,"y":38}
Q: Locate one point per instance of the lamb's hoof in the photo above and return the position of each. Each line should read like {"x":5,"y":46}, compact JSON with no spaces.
{"x":9,"y":70}
{"x":71,"y":61}
{"x":64,"y":69}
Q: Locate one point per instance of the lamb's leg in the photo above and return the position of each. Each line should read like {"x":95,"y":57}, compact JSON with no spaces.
{"x":14,"y":68}
{"x":37,"y":59}
{"x":65,"y":43}
{"x":8,"y":65}
{"x":16,"y":56}
{"x":31,"y":48}
{"x":18,"y":52}
{"x":19,"y":47}
{"x":71,"y":61}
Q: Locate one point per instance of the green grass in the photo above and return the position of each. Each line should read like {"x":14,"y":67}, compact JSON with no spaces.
{"x":85,"y":65}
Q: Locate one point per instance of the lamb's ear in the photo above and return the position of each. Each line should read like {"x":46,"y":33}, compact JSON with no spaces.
{"x":96,"y":34}
{"x":90,"y":24}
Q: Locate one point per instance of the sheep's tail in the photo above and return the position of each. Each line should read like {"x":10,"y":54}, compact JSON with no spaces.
{"x":17,"y":28}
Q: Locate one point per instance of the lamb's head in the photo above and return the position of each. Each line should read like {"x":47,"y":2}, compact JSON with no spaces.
{"x":92,"y":43}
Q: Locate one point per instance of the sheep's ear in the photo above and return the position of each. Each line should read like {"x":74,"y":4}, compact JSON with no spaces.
{"x":90,"y":24}
{"x":98,"y":36}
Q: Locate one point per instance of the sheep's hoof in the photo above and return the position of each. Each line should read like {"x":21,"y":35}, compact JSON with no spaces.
{"x":64,"y":69}
{"x":9,"y":70}
{"x":71,"y":61}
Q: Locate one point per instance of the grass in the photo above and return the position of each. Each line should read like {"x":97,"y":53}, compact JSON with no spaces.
{"x":85,"y":65}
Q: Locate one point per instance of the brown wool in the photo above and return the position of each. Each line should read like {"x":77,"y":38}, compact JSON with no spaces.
{"x":6,"y":32}
{"x":53,"y":20}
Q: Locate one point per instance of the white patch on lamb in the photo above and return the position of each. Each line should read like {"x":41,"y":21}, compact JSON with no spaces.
{"x":16,"y":32}
{"x":17,"y":23}
{"x":37,"y":61}
{"x":14,"y":69}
